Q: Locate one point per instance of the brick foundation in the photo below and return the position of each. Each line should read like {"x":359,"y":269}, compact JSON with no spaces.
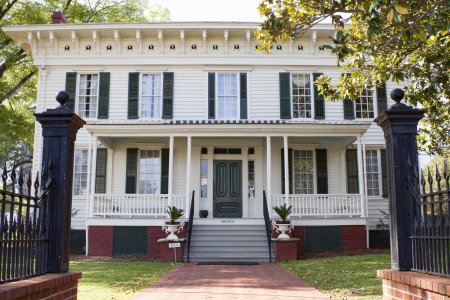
{"x":299,"y":233}
{"x":285,"y":249}
{"x":100,"y":240}
{"x":413,"y":285}
{"x":154,"y":234}
{"x":49,"y":287}
{"x":353,"y":237}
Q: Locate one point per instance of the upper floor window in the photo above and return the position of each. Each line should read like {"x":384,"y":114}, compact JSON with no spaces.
{"x":301,"y":96}
{"x":88,"y":95}
{"x":149,"y":172}
{"x":227,"y":96}
{"x":364,"y":108}
{"x":151,"y":96}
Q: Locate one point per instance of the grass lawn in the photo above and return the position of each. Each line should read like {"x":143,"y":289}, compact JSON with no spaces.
{"x":343,"y":277}
{"x":106,"y":279}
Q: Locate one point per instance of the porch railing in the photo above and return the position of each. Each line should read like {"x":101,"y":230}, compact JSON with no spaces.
{"x":325,"y":205}
{"x":135,"y":204}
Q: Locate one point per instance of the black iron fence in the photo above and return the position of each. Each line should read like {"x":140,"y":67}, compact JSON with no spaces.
{"x":431,"y":221}
{"x":24,"y":223}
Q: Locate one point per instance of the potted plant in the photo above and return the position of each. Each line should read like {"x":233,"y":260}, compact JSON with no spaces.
{"x":173,"y":226}
{"x":284,"y":226}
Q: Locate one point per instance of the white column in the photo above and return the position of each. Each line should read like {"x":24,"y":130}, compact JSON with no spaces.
{"x":210,"y":183}
{"x":269,"y":174}
{"x":286,"y":171}
{"x":366,"y":202}
{"x":94,"y":169}
{"x":360,"y":176}
{"x":89,"y":213}
{"x":171,"y":139}
{"x":244,"y":180}
{"x":188,"y":173}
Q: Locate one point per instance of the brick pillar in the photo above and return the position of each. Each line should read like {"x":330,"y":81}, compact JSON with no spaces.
{"x":100,"y":240}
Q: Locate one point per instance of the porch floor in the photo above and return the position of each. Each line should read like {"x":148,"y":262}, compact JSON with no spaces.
{"x":264,"y":281}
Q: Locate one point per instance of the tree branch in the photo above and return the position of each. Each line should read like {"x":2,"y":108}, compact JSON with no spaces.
{"x":17,"y":87}
{"x":7,"y":8}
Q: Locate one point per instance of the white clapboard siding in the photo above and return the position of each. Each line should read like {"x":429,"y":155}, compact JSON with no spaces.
{"x":375,"y":205}
{"x":79,"y":219}
{"x":264,"y":94}
{"x":190,"y":94}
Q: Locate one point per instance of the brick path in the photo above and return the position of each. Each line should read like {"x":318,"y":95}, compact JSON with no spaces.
{"x":264,"y":281}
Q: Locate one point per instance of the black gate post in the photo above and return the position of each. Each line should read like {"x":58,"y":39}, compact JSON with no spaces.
{"x":399,"y":124}
{"x":59,"y":129}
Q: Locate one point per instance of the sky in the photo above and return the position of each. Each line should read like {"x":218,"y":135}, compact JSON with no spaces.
{"x":212,"y":10}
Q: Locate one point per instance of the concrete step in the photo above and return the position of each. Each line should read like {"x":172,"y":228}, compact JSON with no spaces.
{"x":225,"y":243}
{"x":229,"y":249}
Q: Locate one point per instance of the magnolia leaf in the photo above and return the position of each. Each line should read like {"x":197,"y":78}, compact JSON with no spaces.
{"x":390,"y":16}
{"x":401,"y":9}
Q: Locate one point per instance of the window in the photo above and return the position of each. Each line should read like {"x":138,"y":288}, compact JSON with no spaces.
{"x":88,"y":95}
{"x":227,"y":96}
{"x":301,"y":96}
{"x":80,"y":172}
{"x":364,"y":105}
{"x":251,"y":179}
{"x":372,"y":173}
{"x":149,"y":172}
{"x":151,"y":96}
{"x":204,"y":178}
{"x":303,"y":170}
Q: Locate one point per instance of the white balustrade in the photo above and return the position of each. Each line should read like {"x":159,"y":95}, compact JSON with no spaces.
{"x":135,"y":204}
{"x":324,"y":205}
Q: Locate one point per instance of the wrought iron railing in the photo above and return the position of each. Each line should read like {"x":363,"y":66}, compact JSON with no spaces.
{"x":190,"y":225}
{"x":268,"y":225}
{"x":24,"y":222}
{"x":431,"y":221}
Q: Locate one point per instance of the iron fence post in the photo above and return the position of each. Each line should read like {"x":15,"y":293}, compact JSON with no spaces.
{"x":399,"y":124}
{"x":59,"y":129}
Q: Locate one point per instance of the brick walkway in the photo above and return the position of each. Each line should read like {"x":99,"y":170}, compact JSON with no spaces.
{"x":264,"y":281}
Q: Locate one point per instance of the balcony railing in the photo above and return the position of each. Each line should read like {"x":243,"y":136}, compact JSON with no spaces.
{"x":135,"y":204}
{"x":324,"y":205}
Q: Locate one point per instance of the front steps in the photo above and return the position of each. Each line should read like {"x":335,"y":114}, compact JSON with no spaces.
{"x":228,"y":243}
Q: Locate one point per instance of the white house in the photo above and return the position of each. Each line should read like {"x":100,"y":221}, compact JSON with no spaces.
{"x":177,"y":107}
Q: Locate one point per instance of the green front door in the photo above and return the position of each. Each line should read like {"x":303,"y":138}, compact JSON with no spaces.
{"x":227,"y":189}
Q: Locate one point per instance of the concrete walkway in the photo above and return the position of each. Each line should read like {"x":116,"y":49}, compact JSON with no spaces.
{"x":264,"y":281}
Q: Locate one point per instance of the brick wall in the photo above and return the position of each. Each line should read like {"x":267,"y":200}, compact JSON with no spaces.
{"x":100,"y":240}
{"x":353,"y":237}
{"x":299,"y":232}
{"x":154,"y":233}
{"x":49,"y":287}
{"x":413,"y":285}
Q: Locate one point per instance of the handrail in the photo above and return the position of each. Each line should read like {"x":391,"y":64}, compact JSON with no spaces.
{"x":190,"y":224}
{"x":268,"y":227}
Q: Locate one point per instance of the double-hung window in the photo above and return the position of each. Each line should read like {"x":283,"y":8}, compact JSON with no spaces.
{"x":364,"y":108}
{"x":80,"y":172}
{"x":227,"y":96}
{"x":149,"y":172}
{"x":151,"y":92}
{"x":303,"y":171}
{"x":301,"y":96}
{"x":372,"y":173}
{"x":88,"y":95}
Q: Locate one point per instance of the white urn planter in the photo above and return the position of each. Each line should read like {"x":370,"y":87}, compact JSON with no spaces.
{"x":283,"y":229}
{"x":172,"y":230}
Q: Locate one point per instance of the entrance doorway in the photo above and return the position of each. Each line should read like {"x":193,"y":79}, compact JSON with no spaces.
{"x":227,"y":201}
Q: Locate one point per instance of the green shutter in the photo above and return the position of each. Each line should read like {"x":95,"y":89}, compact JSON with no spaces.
{"x":133,"y":95}
{"x":322,"y":174}
{"x":381,"y":98}
{"x":349,"y":108}
{"x":243,"y":86}
{"x":71,"y":89}
{"x":319,"y":100}
{"x":167,"y":111}
{"x":103,"y":95}
{"x":352,"y":171}
{"x":285,"y":95}
{"x":100,"y":172}
{"x":211,"y":95}
{"x":131,"y":172}
{"x":164,"y":171}
{"x":384,"y":178}
{"x":291,"y":187}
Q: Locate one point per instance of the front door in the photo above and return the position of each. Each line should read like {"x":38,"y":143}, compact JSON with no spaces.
{"x":227,"y":201}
